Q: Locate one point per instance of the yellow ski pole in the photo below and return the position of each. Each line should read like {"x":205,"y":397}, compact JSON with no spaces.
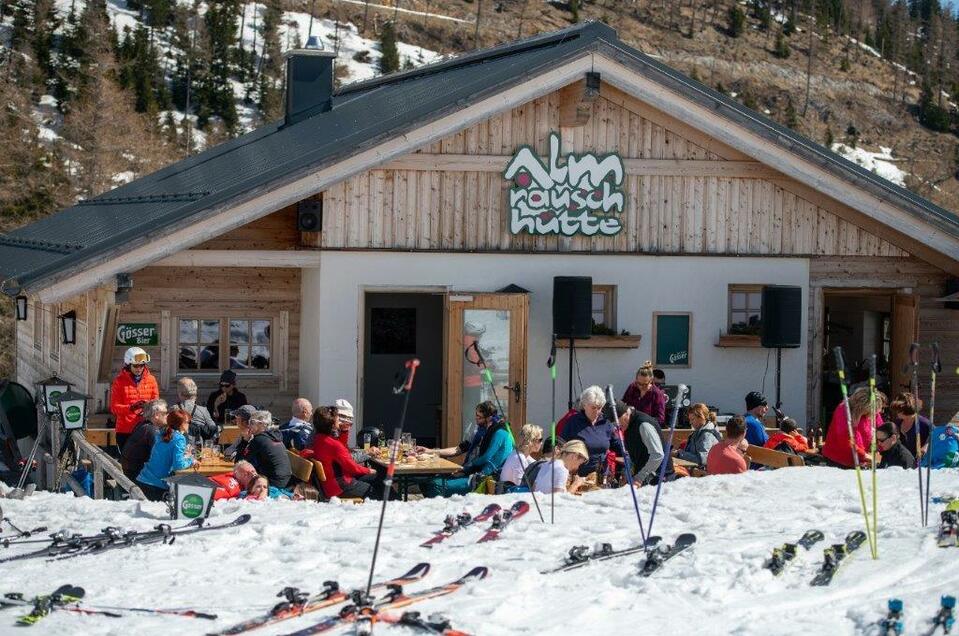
{"x":873,"y":424}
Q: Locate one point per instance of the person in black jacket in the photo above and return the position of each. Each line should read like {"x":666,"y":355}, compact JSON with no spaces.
{"x":644,"y":443}
{"x":894,"y":452}
{"x":266,"y":451}
{"x":137,"y":449}
{"x":201,"y":422}
{"x":227,"y":398}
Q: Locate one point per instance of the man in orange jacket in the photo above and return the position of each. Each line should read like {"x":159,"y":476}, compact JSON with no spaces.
{"x":133,"y":387}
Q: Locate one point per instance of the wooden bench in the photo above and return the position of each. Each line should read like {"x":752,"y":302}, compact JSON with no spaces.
{"x":302,"y":468}
{"x":102,"y":437}
{"x":682,"y":434}
{"x":319,"y":476}
{"x":773,"y":458}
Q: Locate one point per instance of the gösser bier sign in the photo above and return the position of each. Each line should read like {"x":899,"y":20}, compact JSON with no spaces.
{"x":137,"y":335}
{"x":573,"y":194}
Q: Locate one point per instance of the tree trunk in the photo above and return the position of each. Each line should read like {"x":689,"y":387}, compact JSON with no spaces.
{"x":479,"y":17}
{"x":522,"y":17}
{"x":366,"y":14}
{"x":810,"y":55}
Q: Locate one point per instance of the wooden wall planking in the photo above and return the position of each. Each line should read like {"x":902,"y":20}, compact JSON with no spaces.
{"x":276,"y":231}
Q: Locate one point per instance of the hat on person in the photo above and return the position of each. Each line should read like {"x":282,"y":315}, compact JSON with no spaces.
{"x":246,"y":411}
{"x":577,"y":447}
{"x":228,"y":377}
{"x":344,"y":409}
{"x":754,"y":399}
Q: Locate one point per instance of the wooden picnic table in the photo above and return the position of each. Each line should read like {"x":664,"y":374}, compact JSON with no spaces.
{"x":405,"y":472}
{"x":208,"y":466}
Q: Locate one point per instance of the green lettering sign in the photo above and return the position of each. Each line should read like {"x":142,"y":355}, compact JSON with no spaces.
{"x":73,"y":414}
{"x":137,"y":335}
{"x":192,"y":506}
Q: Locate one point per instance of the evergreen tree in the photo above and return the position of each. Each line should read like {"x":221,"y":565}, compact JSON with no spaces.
{"x":140,"y":71}
{"x":22,"y":19}
{"x":737,"y":21}
{"x":782,"y":47}
{"x":87,"y":39}
{"x":271,"y":64}
{"x":213,"y":89}
{"x":45,"y":25}
{"x":391,"y":56}
{"x":931,"y":115}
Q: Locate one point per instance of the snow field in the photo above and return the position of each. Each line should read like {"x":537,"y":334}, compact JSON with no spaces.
{"x":719,"y":587}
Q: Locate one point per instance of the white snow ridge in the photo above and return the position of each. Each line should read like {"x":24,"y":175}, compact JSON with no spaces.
{"x":718,"y":587}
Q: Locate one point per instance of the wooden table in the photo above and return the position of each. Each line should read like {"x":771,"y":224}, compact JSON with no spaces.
{"x":405,"y":472}
{"x":103,"y":437}
{"x":208,"y":467}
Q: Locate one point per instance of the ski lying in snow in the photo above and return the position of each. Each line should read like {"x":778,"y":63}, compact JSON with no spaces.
{"x":298,"y":603}
{"x":948,"y":529}
{"x":835,"y":555}
{"x":454,"y":523}
{"x":43,"y":605}
{"x":503,"y":519}
{"x":662,"y":553}
{"x":581,"y":555}
{"x":786,"y":553}
{"x":433,"y":624}
{"x":17,"y":538}
{"x":945,"y":618}
{"x":892,"y":625}
{"x":364,"y":611}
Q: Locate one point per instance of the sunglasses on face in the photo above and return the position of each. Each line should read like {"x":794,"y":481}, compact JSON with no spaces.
{"x":225,"y":385}
{"x":881,"y":439}
{"x":138,"y":365}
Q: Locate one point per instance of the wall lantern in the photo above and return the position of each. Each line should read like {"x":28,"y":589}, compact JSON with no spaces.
{"x":21,"y":307}
{"x":68,"y":326}
{"x":192,"y":496}
{"x":52,"y":388}
{"x":73,"y":410}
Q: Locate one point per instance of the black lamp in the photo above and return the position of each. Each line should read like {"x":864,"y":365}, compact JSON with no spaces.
{"x":73,"y":410}
{"x":52,"y":388}
{"x":21,"y":307}
{"x":68,"y":325}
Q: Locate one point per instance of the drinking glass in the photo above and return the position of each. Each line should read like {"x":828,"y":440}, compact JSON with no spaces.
{"x":366,"y":441}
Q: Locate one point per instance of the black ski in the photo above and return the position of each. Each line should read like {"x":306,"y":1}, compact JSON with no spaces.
{"x":835,"y":555}
{"x":945,"y":618}
{"x":948,"y":529}
{"x":786,"y":553}
{"x":655,"y":559}
{"x":581,"y":555}
{"x":43,"y":605}
{"x":892,"y":625}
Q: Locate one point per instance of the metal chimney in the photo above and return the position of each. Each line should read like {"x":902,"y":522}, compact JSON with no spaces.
{"x":309,"y":81}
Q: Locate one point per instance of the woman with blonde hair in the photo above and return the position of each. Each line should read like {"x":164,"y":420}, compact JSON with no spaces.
{"x":644,"y":396}
{"x":836,"y":448}
{"x":704,"y":436}
{"x":556,"y":478}
{"x":530,"y":441}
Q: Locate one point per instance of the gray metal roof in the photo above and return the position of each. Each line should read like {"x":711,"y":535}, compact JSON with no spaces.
{"x":363,"y":115}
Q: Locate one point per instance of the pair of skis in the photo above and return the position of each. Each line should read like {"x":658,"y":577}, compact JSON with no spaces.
{"x":656,"y":554}
{"x":500,"y":520}
{"x":833,"y":556}
{"x":892,"y":624}
{"x":787,"y":552}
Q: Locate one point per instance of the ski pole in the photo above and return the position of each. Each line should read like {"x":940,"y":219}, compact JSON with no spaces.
{"x":914,"y":386}
{"x":627,"y":463}
{"x":551,"y":363}
{"x":874,"y":544}
{"x":680,"y":400}
{"x":404,"y":388}
{"x":488,"y":377}
{"x":841,"y":371}
{"x":934,"y":370}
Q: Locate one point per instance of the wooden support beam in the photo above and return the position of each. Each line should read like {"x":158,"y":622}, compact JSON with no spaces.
{"x":241,"y":258}
{"x":576,"y":102}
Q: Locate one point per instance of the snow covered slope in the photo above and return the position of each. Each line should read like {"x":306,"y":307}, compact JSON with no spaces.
{"x":719,"y":587}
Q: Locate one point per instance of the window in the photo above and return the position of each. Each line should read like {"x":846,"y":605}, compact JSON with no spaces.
{"x":54,"y":334}
{"x":38,"y":326}
{"x":604,"y":310}
{"x":745,"y":309}
{"x":250,"y":344}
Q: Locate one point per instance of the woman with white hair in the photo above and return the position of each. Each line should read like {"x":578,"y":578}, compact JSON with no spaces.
{"x":201,"y":422}
{"x":589,"y":426}
{"x":266,"y":451}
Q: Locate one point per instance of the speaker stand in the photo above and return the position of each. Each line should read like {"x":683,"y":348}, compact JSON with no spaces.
{"x":779,"y":377}
{"x":572,"y":345}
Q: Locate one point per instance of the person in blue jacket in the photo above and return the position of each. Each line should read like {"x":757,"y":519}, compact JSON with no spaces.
{"x":493,"y":449}
{"x":168,"y":455}
{"x":756,"y":407}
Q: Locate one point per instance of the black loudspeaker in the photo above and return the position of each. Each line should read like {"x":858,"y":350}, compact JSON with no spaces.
{"x":782,"y":317}
{"x":952,"y":286}
{"x":572,"y":306}
{"x":309,"y":215}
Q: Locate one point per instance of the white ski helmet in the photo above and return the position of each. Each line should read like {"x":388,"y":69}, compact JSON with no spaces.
{"x":136,"y":355}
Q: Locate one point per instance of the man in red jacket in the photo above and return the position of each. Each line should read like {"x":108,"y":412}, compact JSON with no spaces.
{"x":230,"y":485}
{"x":133,"y":387}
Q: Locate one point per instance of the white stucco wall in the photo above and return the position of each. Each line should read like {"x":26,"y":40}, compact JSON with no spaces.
{"x":333,"y":305}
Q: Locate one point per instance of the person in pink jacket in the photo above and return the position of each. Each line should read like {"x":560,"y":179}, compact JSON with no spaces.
{"x":836,"y":447}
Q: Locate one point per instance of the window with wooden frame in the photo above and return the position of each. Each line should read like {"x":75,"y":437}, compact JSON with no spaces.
{"x":250,"y":345}
{"x":745,"y":310}
{"x":604,"y":310}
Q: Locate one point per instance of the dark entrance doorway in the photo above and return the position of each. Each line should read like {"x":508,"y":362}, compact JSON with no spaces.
{"x":399,"y":326}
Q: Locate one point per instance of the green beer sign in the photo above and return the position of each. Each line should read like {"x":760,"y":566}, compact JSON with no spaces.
{"x":192,"y":506}
{"x":137,"y":334}
{"x":73,"y":414}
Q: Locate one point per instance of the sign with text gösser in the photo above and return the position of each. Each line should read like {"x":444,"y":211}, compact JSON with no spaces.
{"x":574,"y":194}
{"x":137,"y":334}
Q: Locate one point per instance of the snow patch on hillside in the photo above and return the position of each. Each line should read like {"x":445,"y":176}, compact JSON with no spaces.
{"x":881,"y":163}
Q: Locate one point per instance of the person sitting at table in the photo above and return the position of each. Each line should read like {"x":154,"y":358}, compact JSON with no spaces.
{"x":136,"y":451}
{"x":261,"y":490}
{"x":530,"y":441}
{"x":789,"y":439}
{"x":133,"y":387}
{"x":242,"y":419}
{"x":644,"y":442}
{"x":344,"y":477}
{"x":344,"y":420}
{"x":494,"y":448}
{"x":836,"y":448}
{"x":728,"y":457}
{"x":554,"y":476}
{"x":756,"y":408}
{"x":265,"y":450}
{"x":894,"y":452}
{"x":644,"y":395}
{"x":705,"y":435}
{"x":483,"y":415}
{"x":168,"y":455}
{"x":589,"y":426}
{"x":226,"y":398}
{"x":230,"y":485}
{"x":298,"y":432}
{"x":201,"y":422}
{"x":905,"y":411}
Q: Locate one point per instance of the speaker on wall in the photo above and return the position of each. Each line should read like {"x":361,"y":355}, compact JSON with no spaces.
{"x":309,"y":214}
{"x":782,"y":317}
{"x":572,"y":306}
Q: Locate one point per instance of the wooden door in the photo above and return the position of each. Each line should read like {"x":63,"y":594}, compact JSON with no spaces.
{"x":905,"y":331}
{"x":496,"y":326}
